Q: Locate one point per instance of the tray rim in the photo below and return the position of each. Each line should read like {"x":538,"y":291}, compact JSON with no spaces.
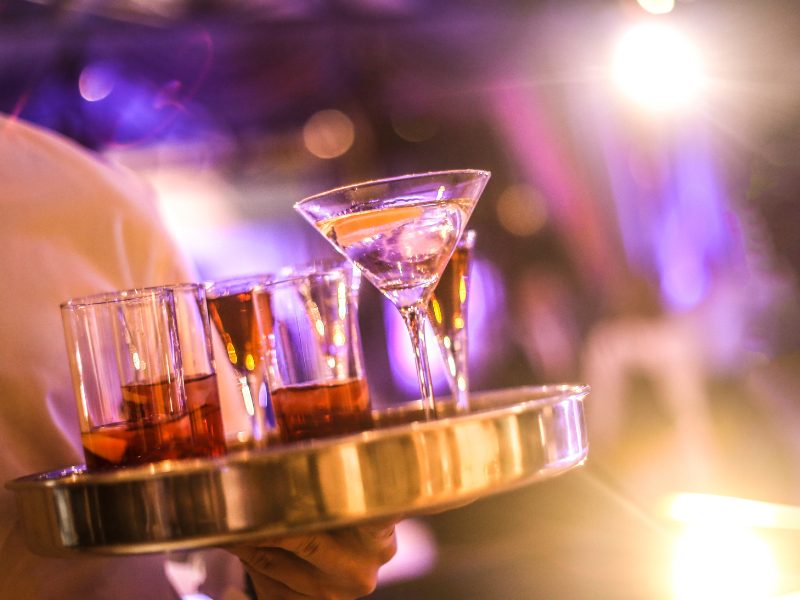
{"x":77,"y":475}
{"x":50,"y":532}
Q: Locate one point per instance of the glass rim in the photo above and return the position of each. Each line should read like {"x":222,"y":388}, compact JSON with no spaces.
{"x":319,"y":267}
{"x":236,"y":284}
{"x":384,"y":180}
{"x":127,"y":295}
{"x":319,"y":270}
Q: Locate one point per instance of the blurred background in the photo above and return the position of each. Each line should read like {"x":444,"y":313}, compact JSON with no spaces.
{"x":640,"y":233}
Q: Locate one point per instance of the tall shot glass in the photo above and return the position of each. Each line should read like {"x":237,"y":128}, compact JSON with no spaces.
{"x":447,"y":314}
{"x":315,"y":367}
{"x":143,"y":376}
{"x":234,"y":309}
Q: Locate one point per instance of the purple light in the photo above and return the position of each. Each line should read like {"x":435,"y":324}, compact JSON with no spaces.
{"x":250,"y":248}
{"x":670,"y":207}
{"x":691,"y":239}
{"x":96,"y":81}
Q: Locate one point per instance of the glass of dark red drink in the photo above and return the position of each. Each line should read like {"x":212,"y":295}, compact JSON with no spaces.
{"x":315,"y":358}
{"x":143,"y":374}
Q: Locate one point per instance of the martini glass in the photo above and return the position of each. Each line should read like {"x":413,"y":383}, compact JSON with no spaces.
{"x":400,"y":232}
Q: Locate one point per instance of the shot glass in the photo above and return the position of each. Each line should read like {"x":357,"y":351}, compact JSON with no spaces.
{"x":315,"y":358}
{"x":143,"y":376}
{"x":234,"y":308}
{"x":447,"y":313}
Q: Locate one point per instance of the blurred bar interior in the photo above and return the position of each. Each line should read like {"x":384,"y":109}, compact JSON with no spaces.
{"x":639,"y":234}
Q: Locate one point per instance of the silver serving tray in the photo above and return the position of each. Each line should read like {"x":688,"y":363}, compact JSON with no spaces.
{"x":509,"y":438}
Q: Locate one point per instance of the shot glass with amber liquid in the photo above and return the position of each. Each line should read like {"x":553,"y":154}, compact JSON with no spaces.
{"x":447,"y":313}
{"x":315,"y":358}
{"x":143,"y":376}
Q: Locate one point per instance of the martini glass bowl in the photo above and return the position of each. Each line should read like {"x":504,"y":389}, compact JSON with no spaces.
{"x":401,"y":232}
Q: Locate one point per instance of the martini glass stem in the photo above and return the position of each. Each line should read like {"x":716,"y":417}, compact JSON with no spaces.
{"x":414,"y":317}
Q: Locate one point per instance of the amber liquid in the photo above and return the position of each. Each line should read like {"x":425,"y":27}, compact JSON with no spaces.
{"x":235,"y":317}
{"x":322,"y":409}
{"x":447,"y":313}
{"x":154,"y":432}
{"x":448,"y":304}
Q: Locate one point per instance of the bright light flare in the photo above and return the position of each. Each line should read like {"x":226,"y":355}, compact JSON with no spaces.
{"x":722,"y":561}
{"x":657,"y":7}
{"x":657,"y":67}
{"x":705,"y":508}
{"x":719,"y":554}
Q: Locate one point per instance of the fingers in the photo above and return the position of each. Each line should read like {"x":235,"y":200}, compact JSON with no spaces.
{"x":267,"y":588}
{"x":285,"y":574}
{"x":345,"y":549}
{"x":345,"y":563}
{"x":338,"y":564}
{"x":376,"y":540}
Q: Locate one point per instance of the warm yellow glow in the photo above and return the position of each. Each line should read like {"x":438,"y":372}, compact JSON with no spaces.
{"x":436,"y":309}
{"x":232,"y":356}
{"x":706,"y":508}
{"x":328,"y":133}
{"x":657,"y":67}
{"x":339,"y":338}
{"x":249,"y":362}
{"x":462,"y":290}
{"x":722,"y":561}
{"x":657,"y":7}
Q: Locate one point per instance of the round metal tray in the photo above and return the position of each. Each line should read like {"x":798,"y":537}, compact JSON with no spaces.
{"x":404,"y":466}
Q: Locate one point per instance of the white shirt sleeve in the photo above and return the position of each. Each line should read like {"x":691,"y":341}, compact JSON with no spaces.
{"x":70,"y":225}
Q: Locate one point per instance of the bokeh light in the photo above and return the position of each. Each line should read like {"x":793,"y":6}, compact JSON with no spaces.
{"x":521,"y":210}
{"x":328,"y":133}
{"x":96,"y":82}
{"x":657,"y":67}
{"x":417,"y":128}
